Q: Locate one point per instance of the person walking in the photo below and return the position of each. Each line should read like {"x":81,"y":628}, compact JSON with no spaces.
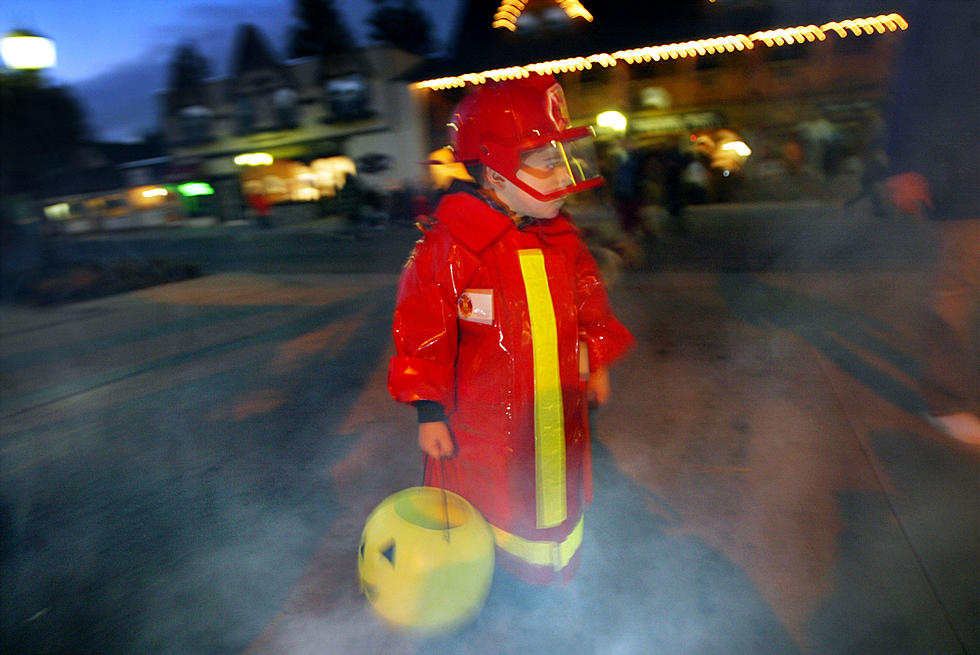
{"x":933,"y":152}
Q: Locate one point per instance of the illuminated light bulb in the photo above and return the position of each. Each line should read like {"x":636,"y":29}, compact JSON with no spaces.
{"x":254,"y":159}
{"x":23,"y":50}
{"x":508,"y":11}
{"x":738,"y":147}
{"x":574,"y":9}
{"x":612,"y":120}
{"x":603,"y":60}
{"x":833,"y":27}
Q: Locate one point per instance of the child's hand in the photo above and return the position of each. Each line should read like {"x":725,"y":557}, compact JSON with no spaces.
{"x":598,"y":387}
{"x":435,"y":440}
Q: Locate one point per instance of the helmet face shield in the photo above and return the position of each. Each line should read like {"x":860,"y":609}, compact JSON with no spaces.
{"x":522,"y":130}
{"x":558,"y":168}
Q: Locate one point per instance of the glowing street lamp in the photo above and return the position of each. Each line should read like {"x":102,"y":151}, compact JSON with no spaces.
{"x":23,"y":50}
{"x":254,"y":159}
{"x":611,"y":120}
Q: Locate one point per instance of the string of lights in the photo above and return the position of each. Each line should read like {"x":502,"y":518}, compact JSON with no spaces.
{"x":717,"y":45}
{"x":510,"y":10}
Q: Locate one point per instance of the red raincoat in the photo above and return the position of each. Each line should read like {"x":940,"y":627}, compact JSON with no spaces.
{"x":506,"y":370}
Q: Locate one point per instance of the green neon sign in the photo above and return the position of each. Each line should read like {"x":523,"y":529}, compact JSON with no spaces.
{"x":195,"y":189}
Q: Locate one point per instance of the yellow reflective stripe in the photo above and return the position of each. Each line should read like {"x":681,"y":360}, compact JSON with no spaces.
{"x":549,"y":415}
{"x":541,"y":553}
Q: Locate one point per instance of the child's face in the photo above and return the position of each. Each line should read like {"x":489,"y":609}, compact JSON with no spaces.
{"x":543,"y":171}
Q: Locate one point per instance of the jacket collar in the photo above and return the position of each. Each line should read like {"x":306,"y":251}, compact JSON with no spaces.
{"x":476,"y":224}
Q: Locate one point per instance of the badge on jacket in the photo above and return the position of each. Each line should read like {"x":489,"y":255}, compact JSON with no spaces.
{"x":476,"y":306}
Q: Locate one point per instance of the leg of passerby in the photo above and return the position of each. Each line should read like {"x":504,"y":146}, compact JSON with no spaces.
{"x":951,"y":361}
{"x":628,"y":246}
{"x":629,"y":215}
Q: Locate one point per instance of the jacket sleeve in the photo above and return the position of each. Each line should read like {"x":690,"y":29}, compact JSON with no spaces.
{"x":424,"y":328}
{"x":607,"y":339}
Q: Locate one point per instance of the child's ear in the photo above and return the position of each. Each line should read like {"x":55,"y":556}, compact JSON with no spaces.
{"x":494,"y":178}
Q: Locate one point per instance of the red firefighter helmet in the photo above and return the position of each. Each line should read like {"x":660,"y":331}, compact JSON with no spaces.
{"x":502,"y":123}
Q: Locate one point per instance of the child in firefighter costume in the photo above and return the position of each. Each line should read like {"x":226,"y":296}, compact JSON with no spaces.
{"x":503,"y":328}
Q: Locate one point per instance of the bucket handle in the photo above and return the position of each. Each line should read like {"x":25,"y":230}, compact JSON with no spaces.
{"x":442,"y":485}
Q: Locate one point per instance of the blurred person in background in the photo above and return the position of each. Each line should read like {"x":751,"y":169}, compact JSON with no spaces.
{"x":933,"y":148}
{"x":627,"y":188}
{"x":259,"y":203}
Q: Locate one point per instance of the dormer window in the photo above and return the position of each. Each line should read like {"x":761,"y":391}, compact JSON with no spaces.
{"x":284,"y":101}
{"x":195,"y":124}
{"x":245,"y":115}
{"x":347,"y":97}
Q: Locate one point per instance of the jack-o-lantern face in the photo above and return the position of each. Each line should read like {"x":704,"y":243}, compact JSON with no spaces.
{"x":425,"y":559}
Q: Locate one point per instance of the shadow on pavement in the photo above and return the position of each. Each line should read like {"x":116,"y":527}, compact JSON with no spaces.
{"x":640,"y":590}
{"x":937,"y":504}
{"x":844,"y":336}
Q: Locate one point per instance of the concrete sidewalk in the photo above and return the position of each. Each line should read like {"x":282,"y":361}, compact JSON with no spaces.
{"x":757,"y":491}
{"x":764,"y":483}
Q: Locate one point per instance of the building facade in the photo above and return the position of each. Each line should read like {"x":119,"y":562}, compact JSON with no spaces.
{"x":296,"y":133}
{"x":806,"y":98}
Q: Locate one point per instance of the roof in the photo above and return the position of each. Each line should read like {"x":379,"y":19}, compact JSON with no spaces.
{"x":251,"y":52}
{"x":616,"y":25}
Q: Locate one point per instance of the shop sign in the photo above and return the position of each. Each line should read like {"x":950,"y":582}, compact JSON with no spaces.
{"x":677,"y":123}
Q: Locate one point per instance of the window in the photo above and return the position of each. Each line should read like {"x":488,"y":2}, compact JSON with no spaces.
{"x":786,"y":52}
{"x":347,"y":97}
{"x":245,"y":115}
{"x":195,"y":124}
{"x":595,"y":75}
{"x":855,"y":45}
{"x":284,"y":102}
{"x":708,"y":62}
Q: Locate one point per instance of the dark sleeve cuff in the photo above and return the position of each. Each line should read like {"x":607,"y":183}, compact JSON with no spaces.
{"x":430,"y":411}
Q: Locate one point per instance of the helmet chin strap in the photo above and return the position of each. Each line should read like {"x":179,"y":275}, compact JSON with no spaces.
{"x":493,"y":199}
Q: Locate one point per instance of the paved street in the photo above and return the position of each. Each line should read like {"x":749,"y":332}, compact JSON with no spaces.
{"x":187,"y":468}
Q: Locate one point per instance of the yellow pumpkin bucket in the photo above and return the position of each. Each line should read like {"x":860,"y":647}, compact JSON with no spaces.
{"x":426,"y":560}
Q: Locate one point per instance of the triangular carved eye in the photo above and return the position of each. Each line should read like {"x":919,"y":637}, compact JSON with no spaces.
{"x":389,"y":552}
